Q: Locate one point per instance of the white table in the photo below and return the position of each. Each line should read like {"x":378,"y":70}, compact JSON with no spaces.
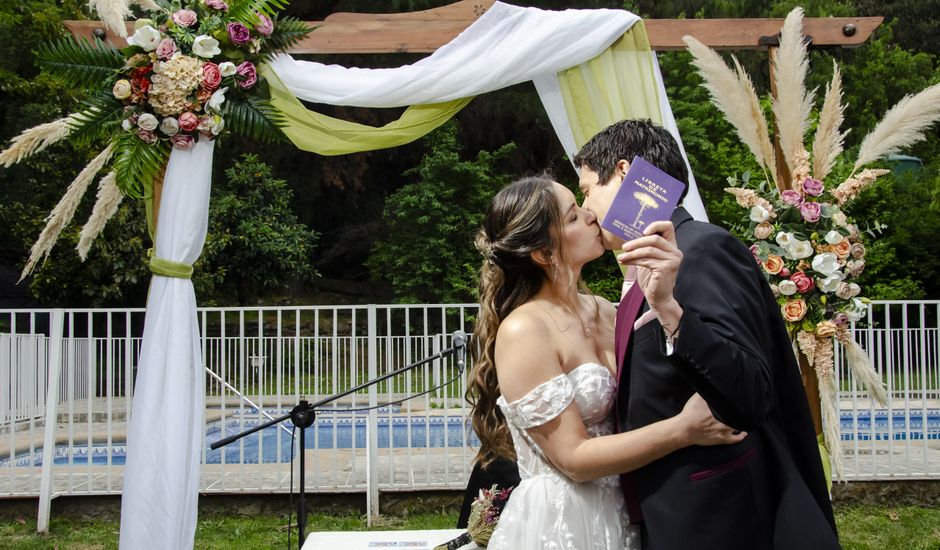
{"x":373,"y":540}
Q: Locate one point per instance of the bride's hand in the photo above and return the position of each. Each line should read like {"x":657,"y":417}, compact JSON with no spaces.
{"x":701,"y":426}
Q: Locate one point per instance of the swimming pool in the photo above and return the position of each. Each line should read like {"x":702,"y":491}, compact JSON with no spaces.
{"x":341,"y":431}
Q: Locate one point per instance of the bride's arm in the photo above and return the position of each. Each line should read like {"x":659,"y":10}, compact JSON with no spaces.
{"x":526,"y":356}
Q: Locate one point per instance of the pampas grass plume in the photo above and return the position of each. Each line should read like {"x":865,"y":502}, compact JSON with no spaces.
{"x":827,"y":144}
{"x":109,"y":198}
{"x":902,"y":125}
{"x":35,"y":140}
{"x":793,"y":104}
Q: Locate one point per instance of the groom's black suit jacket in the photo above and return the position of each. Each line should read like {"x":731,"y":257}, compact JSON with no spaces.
{"x":767,"y":491}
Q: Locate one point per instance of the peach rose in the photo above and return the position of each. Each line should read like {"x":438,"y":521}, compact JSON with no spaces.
{"x":842,"y":248}
{"x":794,"y":310}
{"x":763,"y":230}
{"x":773,"y":265}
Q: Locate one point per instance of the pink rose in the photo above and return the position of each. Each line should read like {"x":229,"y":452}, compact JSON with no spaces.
{"x":217,"y":5}
{"x":147,"y":136}
{"x":185,"y":18}
{"x":211,"y":76}
{"x":265,"y":27}
{"x":784,"y":273}
{"x":182,"y":141}
{"x":248,"y":74}
{"x":812,"y":187}
{"x":166,"y":48}
{"x":804,"y":283}
{"x":188,"y":121}
{"x":791,"y":197}
{"x":857,"y":251}
{"x":754,"y":252}
{"x":238,"y":33}
{"x":810,"y":211}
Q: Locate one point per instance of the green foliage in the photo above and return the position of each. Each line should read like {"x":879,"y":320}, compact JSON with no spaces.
{"x":98,"y":121}
{"x":255,"y":243}
{"x":79,"y":62}
{"x":427,"y":250}
{"x":245,"y":10}
{"x":254,"y":118}
{"x":288,"y":31}
{"x":137,"y":162}
{"x":115,"y":272}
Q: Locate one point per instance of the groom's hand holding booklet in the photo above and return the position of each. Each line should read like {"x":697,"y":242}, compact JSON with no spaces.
{"x":647,"y":195}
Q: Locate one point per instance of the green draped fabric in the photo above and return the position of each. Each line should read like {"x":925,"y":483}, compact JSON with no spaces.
{"x":617,"y":84}
{"x":169,"y":268}
{"x":324,"y":135}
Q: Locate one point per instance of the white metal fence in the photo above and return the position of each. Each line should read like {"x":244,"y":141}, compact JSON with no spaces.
{"x":261,"y":361}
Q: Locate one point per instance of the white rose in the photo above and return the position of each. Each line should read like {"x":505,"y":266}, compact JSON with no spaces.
{"x":797,"y":250}
{"x":787,"y":287}
{"x":147,"y":122}
{"x":206,"y":46}
{"x":826,"y":263}
{"x":854,"y":290}
{"x":833,"y":237}
{"x":839,"y":219}
{"x":170,"y":126}
{"x":146,"y":37}
{"x":126,"y":125}
{"x":856,"y":311}
{"x":216,"y":100}
{"x":784,"y":239}
{"x":830,"y":283}
{"x":227,"y":68}
{"x":759,"y":214}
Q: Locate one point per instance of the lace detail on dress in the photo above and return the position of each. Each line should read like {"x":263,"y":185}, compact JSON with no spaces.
{"x":542,"y":404}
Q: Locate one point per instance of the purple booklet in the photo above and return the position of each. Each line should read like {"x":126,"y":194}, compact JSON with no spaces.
{"x":647,"y":195}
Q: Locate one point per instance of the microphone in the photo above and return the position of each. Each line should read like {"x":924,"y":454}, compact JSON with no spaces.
{"x":459,"y":345}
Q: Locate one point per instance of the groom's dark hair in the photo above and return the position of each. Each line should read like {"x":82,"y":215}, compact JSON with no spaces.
{"x":627,"y":139}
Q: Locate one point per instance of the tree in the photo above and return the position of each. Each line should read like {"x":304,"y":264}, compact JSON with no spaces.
{"x":426,"y":251}
{"x":255,"y":243}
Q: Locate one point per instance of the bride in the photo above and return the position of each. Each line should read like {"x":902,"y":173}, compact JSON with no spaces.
{"x":542,"y":387}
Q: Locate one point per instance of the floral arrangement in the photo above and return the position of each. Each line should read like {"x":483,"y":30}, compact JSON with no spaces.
{"x":189,"y":72}
{"x":484,"y":515}
{"x":809,"y":249}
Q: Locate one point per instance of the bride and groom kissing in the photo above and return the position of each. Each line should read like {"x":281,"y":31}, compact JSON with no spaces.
{"x":676,"y":420}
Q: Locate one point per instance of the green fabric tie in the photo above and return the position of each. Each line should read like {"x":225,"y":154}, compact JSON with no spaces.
{"x":169,"y":268}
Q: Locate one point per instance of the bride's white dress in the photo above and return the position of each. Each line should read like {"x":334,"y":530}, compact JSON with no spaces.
{"x":549,"y":511}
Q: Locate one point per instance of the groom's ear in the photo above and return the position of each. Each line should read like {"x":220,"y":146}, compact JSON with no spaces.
{"x":623,"y":166}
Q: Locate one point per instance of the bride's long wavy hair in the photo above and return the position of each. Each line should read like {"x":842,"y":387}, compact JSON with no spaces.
{"x":522,"y":218}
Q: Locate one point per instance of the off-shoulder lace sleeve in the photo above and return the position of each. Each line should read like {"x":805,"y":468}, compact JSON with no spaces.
{"x":545,"y":402}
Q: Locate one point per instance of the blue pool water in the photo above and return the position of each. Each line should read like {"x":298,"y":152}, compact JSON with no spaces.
{"x":342,"y":431}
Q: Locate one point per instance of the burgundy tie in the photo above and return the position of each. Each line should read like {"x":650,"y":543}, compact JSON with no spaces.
{"x":627,"y":313}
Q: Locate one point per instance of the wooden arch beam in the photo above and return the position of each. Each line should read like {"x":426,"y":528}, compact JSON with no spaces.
{"x":426,"y":31}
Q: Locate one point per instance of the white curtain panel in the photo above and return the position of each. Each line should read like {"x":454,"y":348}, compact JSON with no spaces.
{"x":165,"y":433}
{"x":505,"y":46}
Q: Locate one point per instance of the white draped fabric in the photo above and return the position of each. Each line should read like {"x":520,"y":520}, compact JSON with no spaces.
{"x":505,"y":46}
{"x":165,"y":433}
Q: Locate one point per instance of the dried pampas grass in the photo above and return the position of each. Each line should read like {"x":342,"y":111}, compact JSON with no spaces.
{"x":793,"y":104}
{"x":902,"y":125}
{"x":113,"y":13}
{"x":731,"y":90}
{"x":63,"y":212}
{"x":35,"y":139}
{"x":827,"y":145}
{"x":861,"y":367}
{"x":109,"y":198}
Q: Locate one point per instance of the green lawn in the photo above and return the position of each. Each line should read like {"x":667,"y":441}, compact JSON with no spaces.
{"x":861,"y":527}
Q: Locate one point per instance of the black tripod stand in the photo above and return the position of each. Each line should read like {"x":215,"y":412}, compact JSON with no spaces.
{"x":304,"y":414}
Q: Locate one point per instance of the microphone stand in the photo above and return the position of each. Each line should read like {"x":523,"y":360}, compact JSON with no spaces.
{"x":304,"y":414}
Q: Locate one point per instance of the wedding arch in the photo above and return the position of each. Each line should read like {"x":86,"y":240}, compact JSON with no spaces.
{"x":590,"y":68}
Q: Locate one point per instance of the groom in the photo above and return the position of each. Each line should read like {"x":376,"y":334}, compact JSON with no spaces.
{"x":715,"y":329}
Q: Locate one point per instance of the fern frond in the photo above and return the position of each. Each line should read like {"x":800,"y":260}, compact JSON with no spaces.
{"x":137,"y":163}
{"x":288,"y":31}
{"x":98,"y":120}
{"x":80,"y":63}
{"x":244,"y":10}
{"x":253,"y":118}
